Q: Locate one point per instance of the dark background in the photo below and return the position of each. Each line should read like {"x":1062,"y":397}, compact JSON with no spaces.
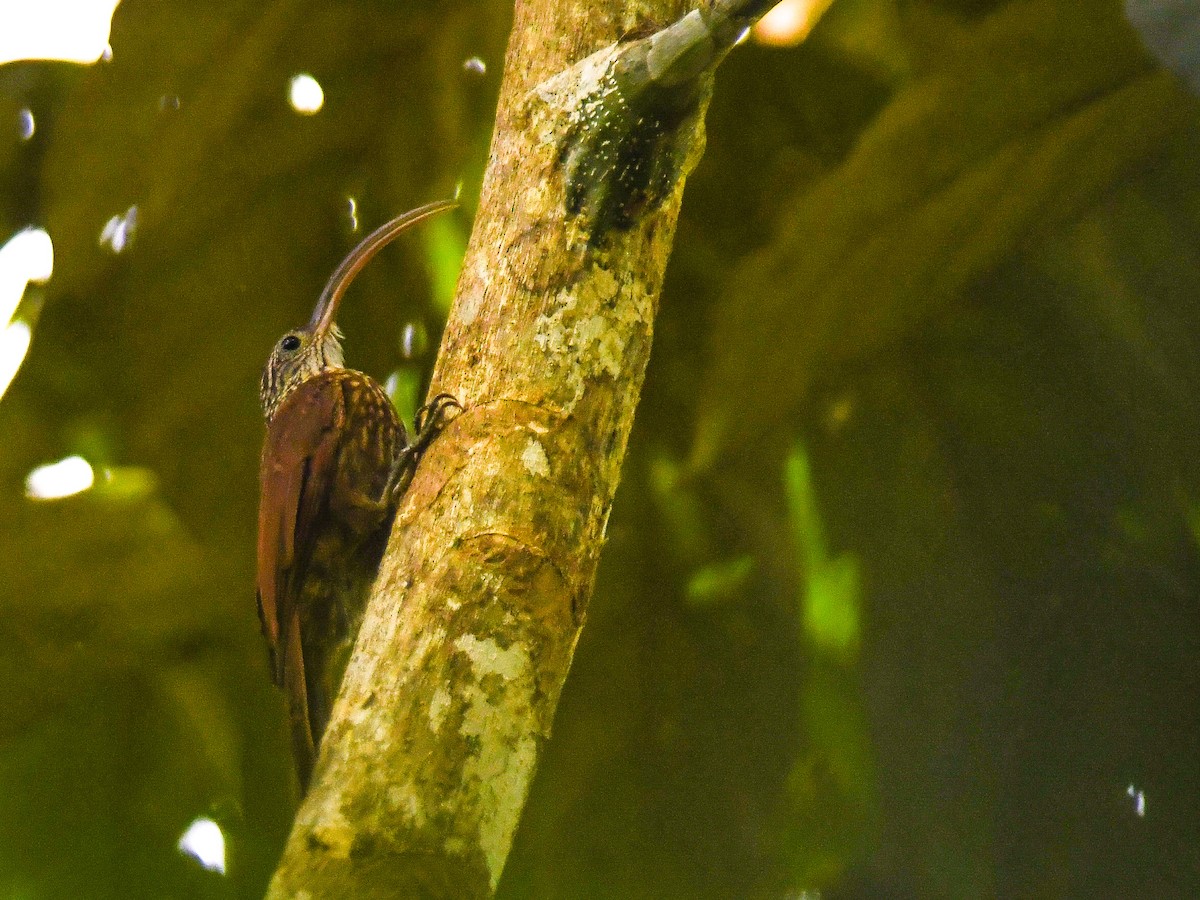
{"x":900,"y":594}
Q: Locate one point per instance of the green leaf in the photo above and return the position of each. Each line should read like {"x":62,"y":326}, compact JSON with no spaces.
{"x":831,"y":594}
{"x":720,"y":580}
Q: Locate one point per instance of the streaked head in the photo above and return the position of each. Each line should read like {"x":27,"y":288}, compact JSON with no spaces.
{"x":297,"y":357}
{"x":308,"y":351}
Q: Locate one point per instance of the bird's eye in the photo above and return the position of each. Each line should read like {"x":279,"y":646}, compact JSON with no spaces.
{"x":289,"y":344}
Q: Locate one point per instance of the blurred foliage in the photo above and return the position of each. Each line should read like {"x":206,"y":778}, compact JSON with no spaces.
{"x":900,"y":592}
{"x":1171,"y":30}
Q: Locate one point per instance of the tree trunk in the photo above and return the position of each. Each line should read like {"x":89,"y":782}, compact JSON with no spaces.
{"x":481,"y":596}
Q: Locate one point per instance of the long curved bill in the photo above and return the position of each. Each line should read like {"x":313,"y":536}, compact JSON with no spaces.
{"x":326,"y":309}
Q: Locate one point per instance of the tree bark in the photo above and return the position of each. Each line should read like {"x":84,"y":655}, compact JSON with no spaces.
{"x":480,"y":599}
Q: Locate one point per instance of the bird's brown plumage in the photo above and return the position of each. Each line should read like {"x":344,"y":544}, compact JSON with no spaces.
{"x":322,"y":524}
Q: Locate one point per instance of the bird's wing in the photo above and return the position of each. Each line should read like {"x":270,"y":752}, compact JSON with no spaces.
{"x":298,"y":467}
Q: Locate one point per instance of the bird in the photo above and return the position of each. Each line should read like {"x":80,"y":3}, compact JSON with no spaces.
{"x":336,"y":461}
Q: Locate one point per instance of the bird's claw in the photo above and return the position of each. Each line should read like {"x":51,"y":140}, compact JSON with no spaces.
{"x":432,"y":418}
{"x":427,"y":425}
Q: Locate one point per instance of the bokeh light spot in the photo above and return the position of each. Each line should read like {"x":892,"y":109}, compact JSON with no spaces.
{"x":66,"y":30}
{"x":64,"y":478}
{"x":1138,"y":796}
{"x":305,"y":94}
{"x":204,"y":842}
{"x":26,"y":126}
{"x":27,"y":256}
{"x":118,"y":231}
{"x":789,"y":22}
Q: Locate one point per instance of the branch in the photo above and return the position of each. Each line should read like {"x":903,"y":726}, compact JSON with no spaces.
{"x":480,"y":599}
